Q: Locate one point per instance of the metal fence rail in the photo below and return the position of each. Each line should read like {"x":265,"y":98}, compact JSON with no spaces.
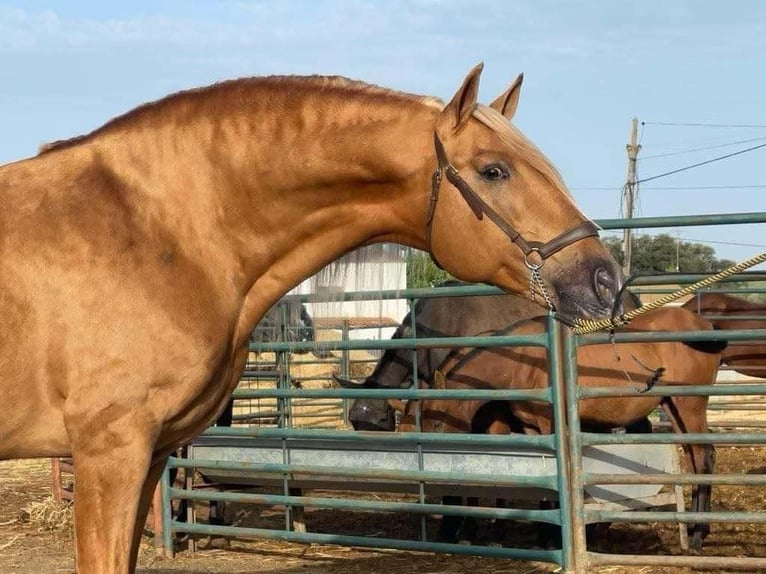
{"x":566,"y":450}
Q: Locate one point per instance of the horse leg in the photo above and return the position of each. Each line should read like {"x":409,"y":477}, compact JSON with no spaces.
{"x":703,"y":496}
{"x":450,"y":526}
{"x":548,"y":535}
{"x":216,"y":513}
{"x":216,"y":517}
{"x":499,"y":525}
{"x":145,"y":502}
{"x":468,"y":532}
{"x":689,"y":414}
{"x":704,"y":462}
{"x":110,"y":471}
{"x":297,"y":513}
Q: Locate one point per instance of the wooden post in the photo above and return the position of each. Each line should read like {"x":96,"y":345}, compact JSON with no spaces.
{"x":630,"y":192}
{"x":59,"y":491}
{"x":56,"y":479}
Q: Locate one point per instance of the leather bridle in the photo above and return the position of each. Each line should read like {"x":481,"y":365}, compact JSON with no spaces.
{"x":539,"y":250}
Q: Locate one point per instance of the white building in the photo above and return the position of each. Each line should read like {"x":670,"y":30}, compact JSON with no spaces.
{"x":372,"y":269}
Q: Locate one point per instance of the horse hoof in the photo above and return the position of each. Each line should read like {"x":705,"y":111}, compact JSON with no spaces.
{"x":695,"y":543}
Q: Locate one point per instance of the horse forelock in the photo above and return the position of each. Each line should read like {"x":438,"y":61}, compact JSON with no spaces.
{"x":522,"y":146}
{"x":231,"y":92}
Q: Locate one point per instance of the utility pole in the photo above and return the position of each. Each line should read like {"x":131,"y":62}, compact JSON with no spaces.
{"x":630,"y":194}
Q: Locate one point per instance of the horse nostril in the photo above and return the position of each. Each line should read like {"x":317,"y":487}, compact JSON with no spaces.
{"x":605,"y":286}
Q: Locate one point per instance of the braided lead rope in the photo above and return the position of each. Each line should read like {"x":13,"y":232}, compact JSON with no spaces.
{"x":584,"y":326}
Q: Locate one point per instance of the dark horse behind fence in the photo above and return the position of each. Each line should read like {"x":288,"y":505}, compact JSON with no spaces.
{"x":632,"y":365}
{"x":436,"y":317}
{"x":433,"y":317}
{"x":137,"y":259}
{"x":445,"y":317}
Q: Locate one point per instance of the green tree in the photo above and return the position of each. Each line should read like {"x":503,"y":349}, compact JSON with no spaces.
{"x":423,"y":272}
{"x":663,"y":253}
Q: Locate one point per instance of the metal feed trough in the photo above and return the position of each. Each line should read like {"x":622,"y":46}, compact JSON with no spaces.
{"x":380,"y":461}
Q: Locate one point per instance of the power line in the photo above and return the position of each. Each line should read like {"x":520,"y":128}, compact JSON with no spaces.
{"x":673,"y":188}
{"x":669,"y":188}
{"x":704,"y":125}
{"x":692,"y":166}
{"x":691,"y":150}
{"x":692,"y":239}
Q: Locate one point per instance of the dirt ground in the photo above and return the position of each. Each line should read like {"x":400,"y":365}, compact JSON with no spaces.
{"x":28,"y":548}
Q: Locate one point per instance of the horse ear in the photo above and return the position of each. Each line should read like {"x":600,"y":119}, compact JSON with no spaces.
{"x":349,"y":384}
{"x":507,"y":102}
{"x":463,"y":102}
{"x":439,"y":380}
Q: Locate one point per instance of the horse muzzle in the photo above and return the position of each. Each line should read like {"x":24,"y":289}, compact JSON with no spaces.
{"x":589,"y":290}
{"x":371,"y":415}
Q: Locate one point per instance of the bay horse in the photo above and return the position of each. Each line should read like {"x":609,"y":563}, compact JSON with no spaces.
{"x":138,"y":258}
{"x":437,"y":317}
{"x":627,"y":365}
{"x":430,"y":317}
{"x":746,"y":357}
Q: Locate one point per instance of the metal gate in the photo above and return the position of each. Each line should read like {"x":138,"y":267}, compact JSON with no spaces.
{"x":568,"y":465}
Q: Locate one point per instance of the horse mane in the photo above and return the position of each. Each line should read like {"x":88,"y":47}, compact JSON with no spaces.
{"x":232,"y":92}
{"x":54,"y":145}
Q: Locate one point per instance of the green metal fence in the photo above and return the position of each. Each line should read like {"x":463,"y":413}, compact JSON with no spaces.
{"x":420,"y":474}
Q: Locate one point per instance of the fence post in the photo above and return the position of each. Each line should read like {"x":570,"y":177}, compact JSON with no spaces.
{"x":569,"y":463}
{"x":345,"y":357}
{"x":56,"y":479}
{"x":167,"y":515}
{"x":574,"y":448}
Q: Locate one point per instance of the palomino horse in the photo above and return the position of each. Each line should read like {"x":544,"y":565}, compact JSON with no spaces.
{"x":138,"y":258}
{"x":627,"y":365}
{"x":748,"y":358}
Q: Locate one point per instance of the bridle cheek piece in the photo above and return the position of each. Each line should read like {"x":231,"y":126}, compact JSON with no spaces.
{"x":535,"y":252}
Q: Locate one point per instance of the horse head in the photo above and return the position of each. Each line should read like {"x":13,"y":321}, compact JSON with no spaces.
{"x":368,"y":414}
{"x":493,"y":187}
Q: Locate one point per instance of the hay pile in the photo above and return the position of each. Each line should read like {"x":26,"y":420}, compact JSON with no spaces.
{"x":743,"y":411}
{"x":48,"y":514}
{"x":308,"y":372}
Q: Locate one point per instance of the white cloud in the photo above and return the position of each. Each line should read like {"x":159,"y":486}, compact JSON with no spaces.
{"x":22,"y":30}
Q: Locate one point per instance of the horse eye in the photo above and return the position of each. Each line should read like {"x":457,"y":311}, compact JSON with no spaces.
{"x":494,"y":172}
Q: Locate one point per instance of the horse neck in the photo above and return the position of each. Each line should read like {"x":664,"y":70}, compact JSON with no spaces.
{"x":285,"y":187}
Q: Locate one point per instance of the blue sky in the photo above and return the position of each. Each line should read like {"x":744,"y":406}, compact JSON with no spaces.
{"x":67,"y":67}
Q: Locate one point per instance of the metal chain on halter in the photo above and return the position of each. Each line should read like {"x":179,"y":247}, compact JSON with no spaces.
{"x":536,"y":281}
{"x":586,"y":326}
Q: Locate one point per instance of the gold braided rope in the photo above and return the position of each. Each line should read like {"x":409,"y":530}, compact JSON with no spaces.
{"x":584,"y":326}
